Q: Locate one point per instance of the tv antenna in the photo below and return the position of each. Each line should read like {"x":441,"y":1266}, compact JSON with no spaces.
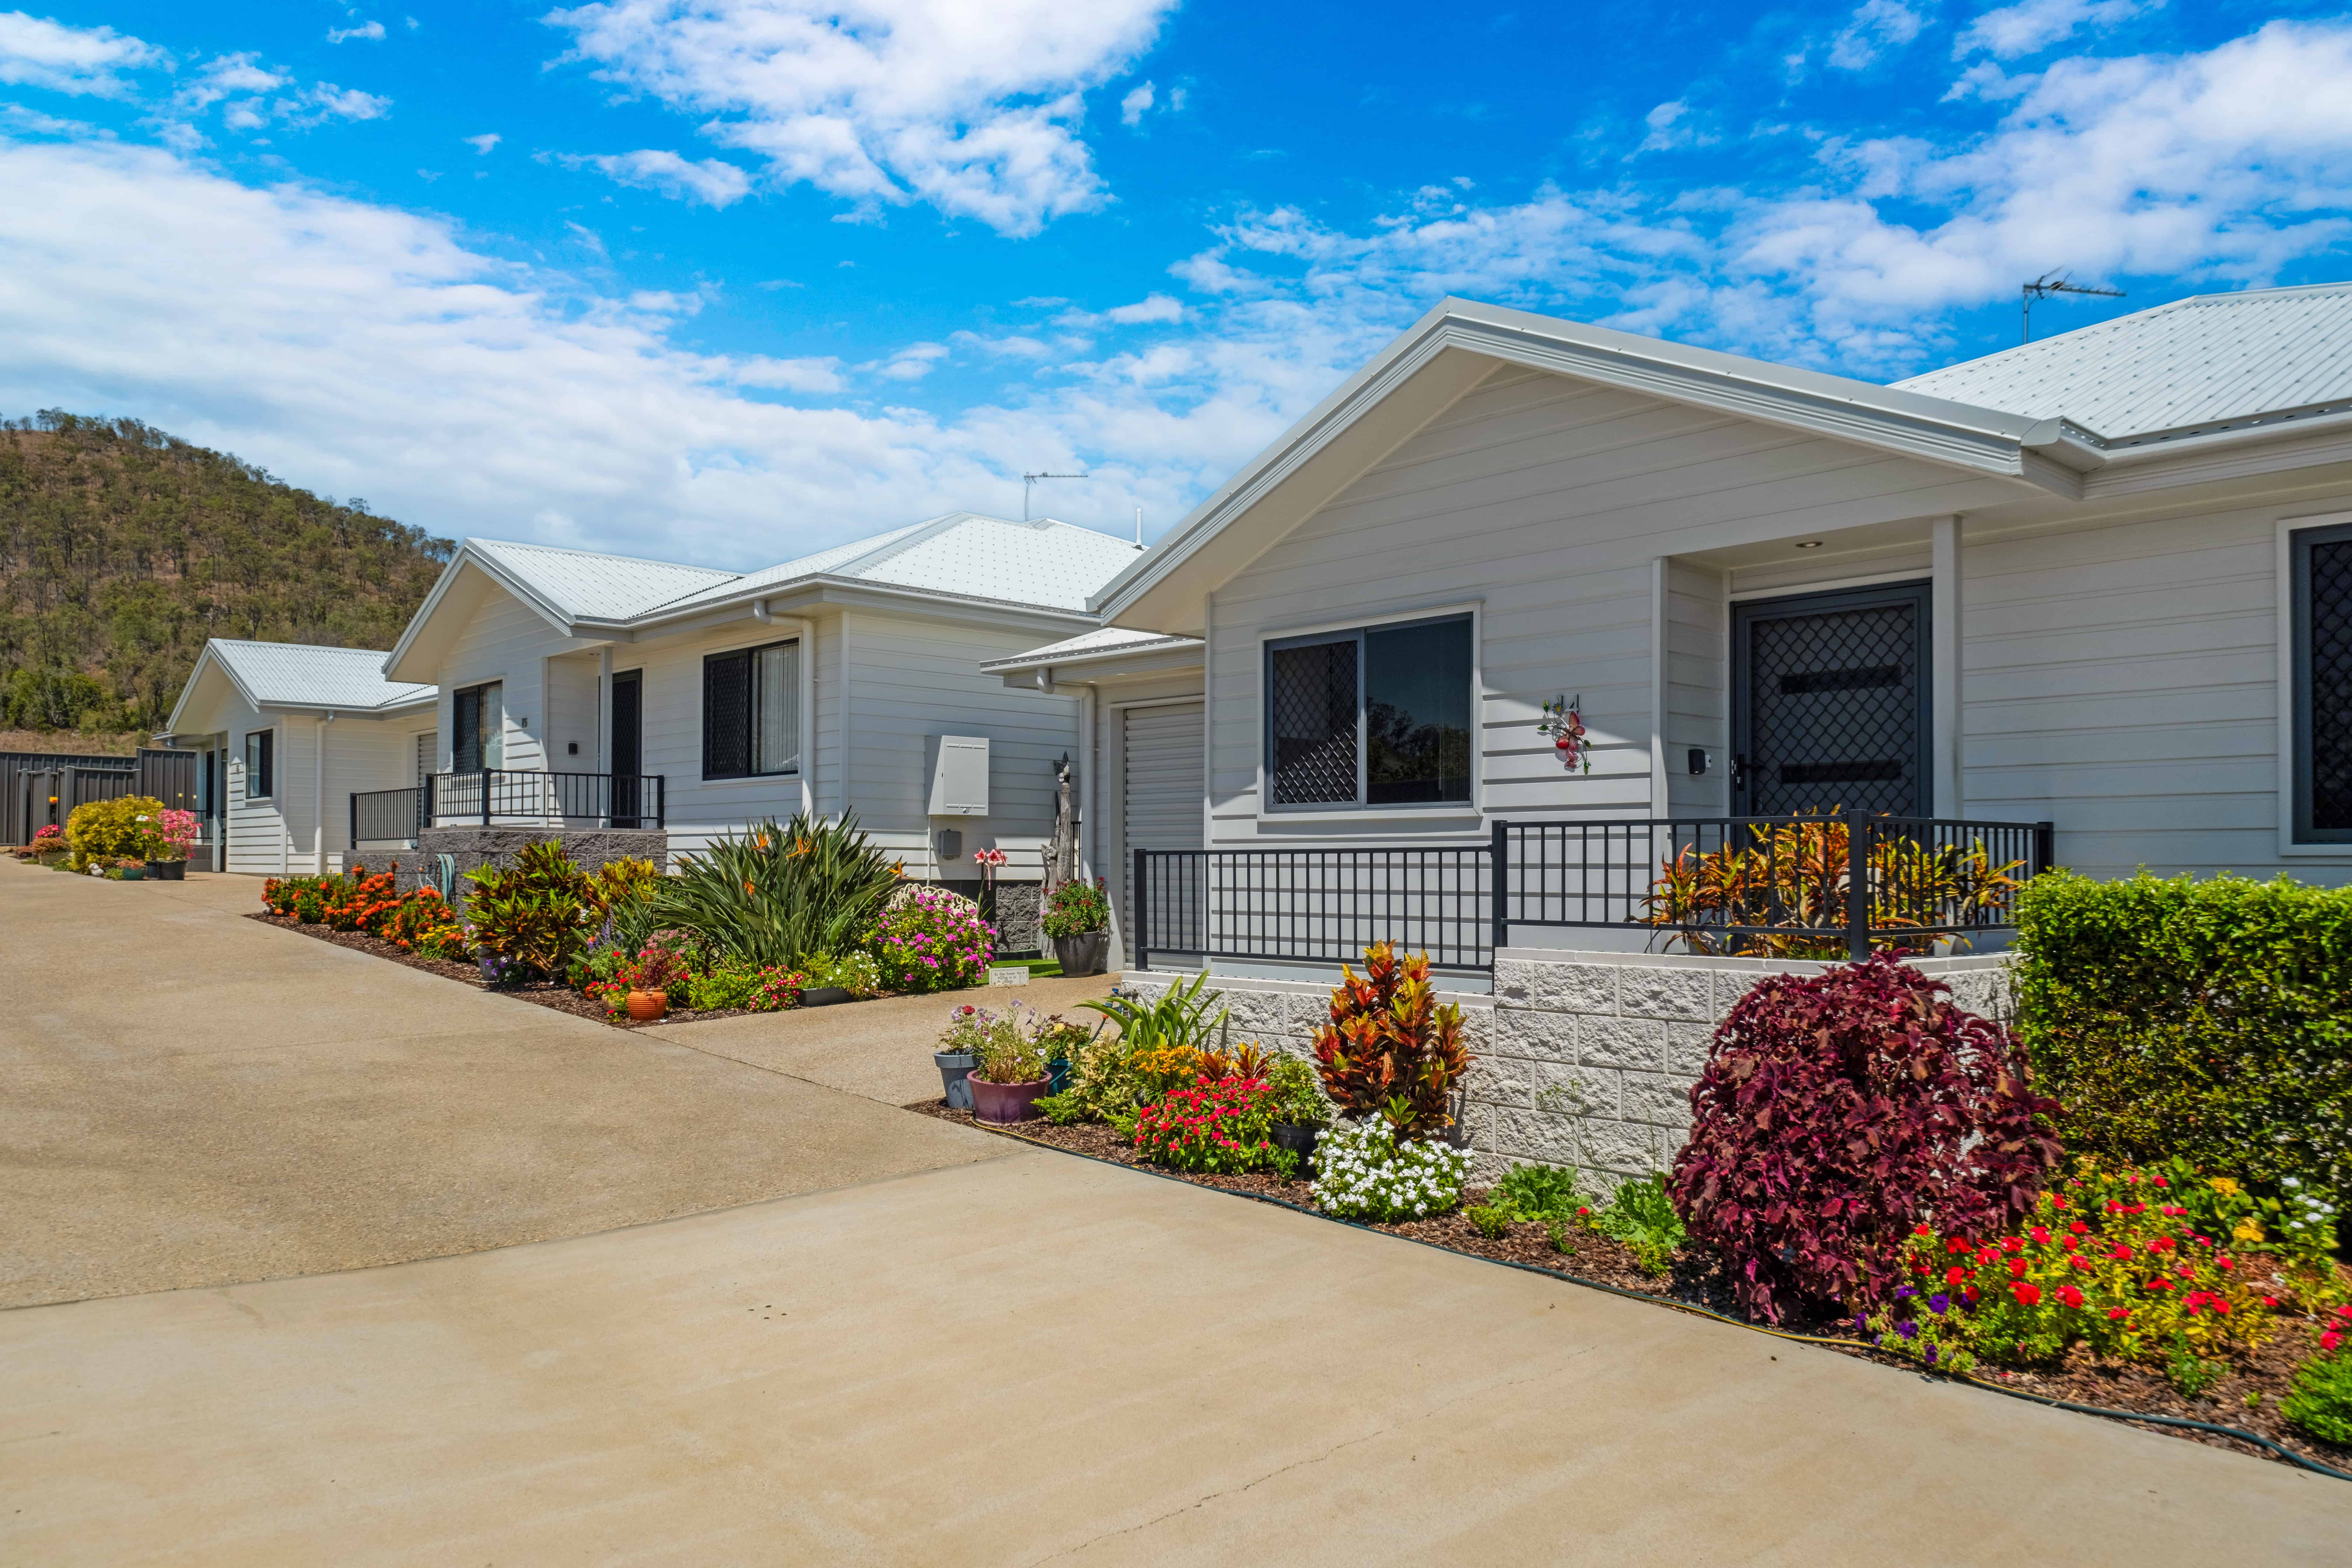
{"x":1029,"y":483}
{"x":2042,"y":288}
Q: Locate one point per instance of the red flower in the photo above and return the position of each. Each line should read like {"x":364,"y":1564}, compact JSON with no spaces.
{"x":2161,"y":1243}
{"x":2159,"y":1283}
{"x":2117,"y":1315}
{"x":2083,"y":1263}
{"x":2040,"y":1236}
{"x":2070,"y":1296}
{"x":2079,"y":1228}
{"x":2223,"y":1263}
{"x":1956,"y":1276}
{"x":2330,"y":1340}
{"x":2012,"y":1244}
{"x":1970,"y":1294}
{"x":2028,"y":1295}
{"x":1924,"y":1230}
{"x":2120,"y":1252}
{"x":2056,"y":1201}
{"x":2016,"y":1266}
{"x":2162,"y":1183}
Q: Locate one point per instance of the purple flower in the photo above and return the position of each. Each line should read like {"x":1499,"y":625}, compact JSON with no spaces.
{"x":1907,"y":1290}
{"x":1861,"y":1324}
{"x":1939,"y":1303}
{"x":1908,"y":1329}
{"x":1931,"y":1355}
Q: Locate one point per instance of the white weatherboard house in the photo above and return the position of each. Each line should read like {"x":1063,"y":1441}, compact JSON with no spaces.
{"x":287,"y":733}
{"x":591,"y":691}
{"x":2102,"y":582}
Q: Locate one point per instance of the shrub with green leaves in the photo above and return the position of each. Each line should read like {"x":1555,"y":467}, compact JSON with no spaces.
{"x":2321,"y":1403}
{"x":1641,"y":1216}
{"x":2208,"y":1020}
{"x":1298,"y":1092}
{"x":781,"y":895}
{"x":1074,"y":909}
{"x":1537,"y":1192}
{"x":114,"y":829}
{"x":534,"y":917}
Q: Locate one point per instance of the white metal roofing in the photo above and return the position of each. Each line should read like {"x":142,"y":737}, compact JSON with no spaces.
{"x":585,"y":585}
{"x":1045,"y":563}
{"x":2198,"y":362}
{"x":1110,"y":642}
{"x":303,"y":675}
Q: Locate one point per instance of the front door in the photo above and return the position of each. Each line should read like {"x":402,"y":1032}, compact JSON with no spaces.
{"x":628,"y":748}
{"x":1829,"y":703}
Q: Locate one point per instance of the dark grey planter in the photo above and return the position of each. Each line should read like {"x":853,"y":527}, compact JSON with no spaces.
{"x":1299,"y":1140}
{"x":167,"y":870}
{"x":955,"y":1077}
{"x":827,"y":995}
{"x":1083,"y":953}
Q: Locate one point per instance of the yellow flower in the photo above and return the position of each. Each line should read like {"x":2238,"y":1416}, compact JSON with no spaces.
{"x":2247,"y":1232}
{"x":2225,"y":1185}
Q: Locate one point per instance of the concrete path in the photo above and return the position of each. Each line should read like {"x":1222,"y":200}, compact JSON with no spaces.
{"x":1037,"y":1359}
{"x":879,"y":1049}
{"x":190,"y":1098}
{"x":925,"y":1345}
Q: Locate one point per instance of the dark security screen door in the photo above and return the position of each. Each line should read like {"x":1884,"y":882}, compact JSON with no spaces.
{"x":628,"y":747}
{"x":1829,"y":704}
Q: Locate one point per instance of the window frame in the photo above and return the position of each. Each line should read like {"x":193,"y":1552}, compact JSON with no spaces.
{"x":1357,"y":632}
{"x":481,"y":758}
{"x":268,"y":766}
{"x":2298,"y":831}
{"x":749,"y":654}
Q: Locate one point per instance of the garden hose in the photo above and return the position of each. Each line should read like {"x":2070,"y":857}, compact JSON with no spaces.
{"x":2240,"y":1432}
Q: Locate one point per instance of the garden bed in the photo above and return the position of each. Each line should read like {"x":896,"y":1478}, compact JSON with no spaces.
{"x":544,"y":993}
{"x":1698,"y":1283}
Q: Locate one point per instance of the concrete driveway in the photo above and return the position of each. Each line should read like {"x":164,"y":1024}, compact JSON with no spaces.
{"x":938,"y":1348}
{"x":189,"y":1098}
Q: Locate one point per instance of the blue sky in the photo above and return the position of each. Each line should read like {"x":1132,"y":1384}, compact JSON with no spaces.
{"x":730,"y":281}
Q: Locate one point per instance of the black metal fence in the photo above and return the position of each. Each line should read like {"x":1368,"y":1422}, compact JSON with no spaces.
{"x":510,"y":796}
{"x":1317,"y":905}
{"x":1793,"y":885}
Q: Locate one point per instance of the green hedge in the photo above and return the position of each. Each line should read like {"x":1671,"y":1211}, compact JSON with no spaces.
{"x":2211,"y":1020}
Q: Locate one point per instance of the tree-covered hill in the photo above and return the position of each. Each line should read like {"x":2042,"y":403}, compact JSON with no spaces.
{"x":122,"y":549}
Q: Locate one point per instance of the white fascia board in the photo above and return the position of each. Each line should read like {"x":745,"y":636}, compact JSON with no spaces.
{"x":804,"y":594}
{"x":1982,"y":439}
{"x":450,"y":576}
{"x":208,"y":660}
{"x":347,"y":710}
{"x":1171,"y":652}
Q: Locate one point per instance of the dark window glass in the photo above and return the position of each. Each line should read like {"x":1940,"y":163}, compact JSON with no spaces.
{"x":477,"y":724}
{"x":261,"y":765}
{"x":1417,"y":713}
{"x":1378,"y":717}
{"x":1311,"y":704}
{"x":2323,"y":682}
{"x":727,"y":715}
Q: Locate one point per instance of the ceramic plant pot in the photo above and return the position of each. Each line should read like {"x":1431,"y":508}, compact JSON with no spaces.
{"x":1057,"y":1075}
{"x":167,"y":870}
{"x":1004,"y":1103}
{"x":955,"y":1077}
{"x":1083,"y":953}
{"x":827,"y":995}
{"x":644,"y":1007}
{"x":131,"y":873}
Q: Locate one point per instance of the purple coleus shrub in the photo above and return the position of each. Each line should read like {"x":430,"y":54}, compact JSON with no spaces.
{"x":1837,"y":1112}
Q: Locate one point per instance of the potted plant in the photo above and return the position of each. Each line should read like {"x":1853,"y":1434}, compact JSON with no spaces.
{"x":958,"y":1053}
{"x":1061,"y":1042}
{"x":172,"y":833}
{"x":1299,"y":1110}
{"x":842,"y":978}
{"x":130,"y":868}
{"x":1011,"y":1076}
{"x":656,"y":973}
{"x":1077,"y":922}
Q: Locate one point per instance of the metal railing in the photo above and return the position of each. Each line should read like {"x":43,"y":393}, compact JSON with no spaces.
{"x":512,"y":795}
{"x":1795,"y":886}
{"x":1314,"y":905}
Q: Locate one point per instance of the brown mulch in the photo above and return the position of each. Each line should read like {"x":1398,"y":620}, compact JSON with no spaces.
{"x":545,"y":992}
{"x":1698,"y":1280}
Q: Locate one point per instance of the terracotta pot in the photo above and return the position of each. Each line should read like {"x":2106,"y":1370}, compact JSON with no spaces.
{"x":1003,"y":1102}
{"x":644,"y":1007}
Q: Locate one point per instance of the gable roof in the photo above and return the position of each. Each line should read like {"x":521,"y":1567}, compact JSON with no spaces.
{"x":587,"y":585}
{"x":304,"y":675}
{"x":1045,"y":563}
{"x":2209,"y":363}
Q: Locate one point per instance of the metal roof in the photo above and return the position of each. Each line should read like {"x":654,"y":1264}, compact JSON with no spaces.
{"x":582,"y":584}
{"x":2195,"y":365}
{"x":1110,"y":642}
{"x":303,"y":675}
{"x":1045,"y":563}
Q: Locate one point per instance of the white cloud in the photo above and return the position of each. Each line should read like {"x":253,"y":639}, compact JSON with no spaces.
{"x":2034,"y":25}
{"x":1670,"y":126}
{"x":359,"y":349}
{"x":243,"y":90}
{"x":1877,"y":26}
{"x":484,"y":143}
{"x":1135,"y":105}
{"x":972,"y":108}
{"x":912,"y":363}
{"x":710,"y":182}
{"x":1010,"y":346}
{"x":370,"y":32}
{"x":44,"y":54}
{"x":1150,"y":309}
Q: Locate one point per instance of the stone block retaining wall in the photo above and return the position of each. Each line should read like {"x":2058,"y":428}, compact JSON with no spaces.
{"x":474,"y":847}
{"x":1583,"y":1060}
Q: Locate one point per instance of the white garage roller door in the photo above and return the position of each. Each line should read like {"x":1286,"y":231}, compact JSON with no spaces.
{"x":1162,"y":808}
